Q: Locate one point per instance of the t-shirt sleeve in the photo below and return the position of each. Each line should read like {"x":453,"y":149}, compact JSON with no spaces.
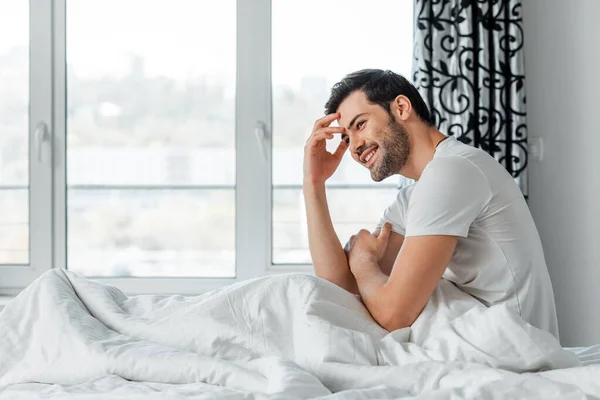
{"x":450,"y":195}
{"x":395,"y":214}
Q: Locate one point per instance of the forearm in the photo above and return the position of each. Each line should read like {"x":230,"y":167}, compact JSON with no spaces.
{"x":373,"y":289}
{"x":328,"y":256}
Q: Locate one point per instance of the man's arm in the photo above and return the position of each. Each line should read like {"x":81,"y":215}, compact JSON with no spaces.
{"x":328,"y":256}
{"x":451,"y":194}
{"x":326,"y":250}
{"x":394,"y":244}
{"x":396,"y":301}
{"x":324,"y":244}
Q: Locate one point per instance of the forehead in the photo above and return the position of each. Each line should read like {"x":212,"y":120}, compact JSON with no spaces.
{"x":356,"y":103}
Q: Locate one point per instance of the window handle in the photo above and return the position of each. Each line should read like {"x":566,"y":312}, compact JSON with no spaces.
{"x":42,"y":137}
{"x":262,"y":136}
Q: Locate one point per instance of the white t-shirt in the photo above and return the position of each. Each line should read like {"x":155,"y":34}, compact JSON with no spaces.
{"x":499,"y":258}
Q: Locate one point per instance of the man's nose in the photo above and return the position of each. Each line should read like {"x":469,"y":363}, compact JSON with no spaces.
{"x":355,"y":145}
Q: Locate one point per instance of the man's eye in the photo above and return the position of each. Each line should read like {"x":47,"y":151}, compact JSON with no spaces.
{"x":360,"y":124}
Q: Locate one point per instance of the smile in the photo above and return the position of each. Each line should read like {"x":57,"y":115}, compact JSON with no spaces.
{"x":368,"y":155}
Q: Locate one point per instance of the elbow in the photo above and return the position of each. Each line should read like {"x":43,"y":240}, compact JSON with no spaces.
{"x":401,"y":315}
{"x":394,"y":320}
{"x":343,"y":281}
{"x":333,"y":278}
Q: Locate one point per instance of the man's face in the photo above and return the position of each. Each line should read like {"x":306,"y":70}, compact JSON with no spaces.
{"x":377,"y":140}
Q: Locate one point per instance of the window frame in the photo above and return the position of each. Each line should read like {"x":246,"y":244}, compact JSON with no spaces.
{"x":253,"y":144}
{"x":40,"y":157}
{"x":253,"y":157}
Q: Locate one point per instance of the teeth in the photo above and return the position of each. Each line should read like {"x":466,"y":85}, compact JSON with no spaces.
{"x":369,"y":156}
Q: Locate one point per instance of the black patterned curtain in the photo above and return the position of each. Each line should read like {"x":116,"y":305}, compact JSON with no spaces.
{"x":469,"y":67}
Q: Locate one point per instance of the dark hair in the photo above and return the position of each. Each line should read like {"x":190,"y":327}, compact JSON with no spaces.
{"x":381,"y":87}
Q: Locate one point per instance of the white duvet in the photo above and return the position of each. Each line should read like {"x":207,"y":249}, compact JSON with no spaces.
{"x":286,"y":336}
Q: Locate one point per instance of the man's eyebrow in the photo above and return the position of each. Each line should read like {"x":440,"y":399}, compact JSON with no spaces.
{"x":354,"y":120}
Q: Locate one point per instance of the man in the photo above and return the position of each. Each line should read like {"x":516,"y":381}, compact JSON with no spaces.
{"x":465,"y":219}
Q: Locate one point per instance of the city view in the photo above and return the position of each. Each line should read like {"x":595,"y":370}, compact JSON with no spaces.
{"x":151,"y":143}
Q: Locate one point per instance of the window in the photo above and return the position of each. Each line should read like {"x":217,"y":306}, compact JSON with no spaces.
{"x":342,"y":37}
{"x":151,"y":138}
{"x":14,"y":138}
{"x":25,"y":157}
{"x":161,"y":151}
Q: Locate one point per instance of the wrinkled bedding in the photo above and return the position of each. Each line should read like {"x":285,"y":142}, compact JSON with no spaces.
{"x":283,"y":336}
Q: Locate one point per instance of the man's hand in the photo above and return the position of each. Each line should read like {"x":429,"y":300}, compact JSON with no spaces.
{"x":366,"y":248}
{"x":319,"y":164}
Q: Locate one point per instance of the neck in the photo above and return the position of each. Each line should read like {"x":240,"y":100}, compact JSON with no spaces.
{"x":423,"y":141}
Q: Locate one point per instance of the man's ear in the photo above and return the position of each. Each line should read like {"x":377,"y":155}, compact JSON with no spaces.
{"x":401,"y":107}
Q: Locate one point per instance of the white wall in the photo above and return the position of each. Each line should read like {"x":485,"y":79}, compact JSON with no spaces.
{"x":562,"y":56}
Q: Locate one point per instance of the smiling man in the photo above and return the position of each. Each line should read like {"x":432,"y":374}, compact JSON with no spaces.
{"x":465,"y":219}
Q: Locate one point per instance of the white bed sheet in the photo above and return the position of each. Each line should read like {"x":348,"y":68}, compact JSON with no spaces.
{"x":291,"y":336}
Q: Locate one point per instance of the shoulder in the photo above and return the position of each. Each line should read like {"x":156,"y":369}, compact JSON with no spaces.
{"x":450,"y":164}
{"x":455,"y":169}
{"x":453,"y":176}
{"x":455,"y":156}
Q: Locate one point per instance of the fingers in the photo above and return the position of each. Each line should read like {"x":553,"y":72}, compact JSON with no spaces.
{"x":327,"y":131}
{"x":324,"y":134}
{"x":384,"y":235}
{"x":341,"y":150}
{"x":349,"y":244}
{"x":351,"y":241}
{"x":322,"y":130}
{"x":318,"y":137}
{"x":331,"y":129}
{"x":325,"y":121}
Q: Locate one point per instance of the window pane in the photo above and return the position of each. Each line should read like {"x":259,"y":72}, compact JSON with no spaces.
{"x":14,"y":126}
{"x":151,"y":105}
{"x":130,"y":232}
{"x":14,"y":226}
{"x":349,"y":37}
{"x":351,"y":211}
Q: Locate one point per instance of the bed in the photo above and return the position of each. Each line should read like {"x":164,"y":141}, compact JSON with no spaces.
{"x":285,"y":336}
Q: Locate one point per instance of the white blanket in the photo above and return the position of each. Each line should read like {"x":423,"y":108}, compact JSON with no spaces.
{"x":286,"y":336}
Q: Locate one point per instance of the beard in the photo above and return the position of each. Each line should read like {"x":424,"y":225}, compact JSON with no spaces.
{"x":394,"y":149}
